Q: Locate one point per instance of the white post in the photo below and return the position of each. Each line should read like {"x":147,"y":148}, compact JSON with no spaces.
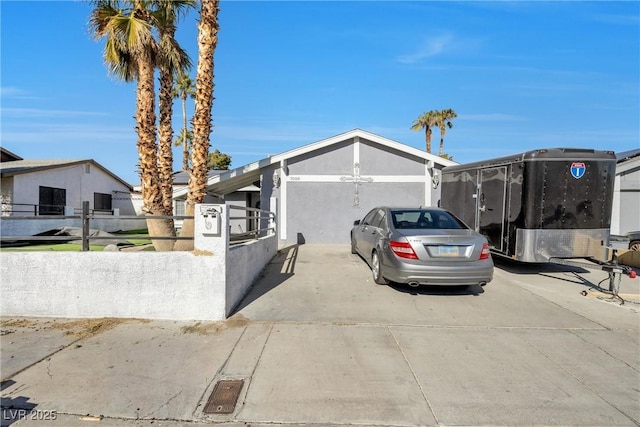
{"x":273,"y":203}
{"x":211,"y":231}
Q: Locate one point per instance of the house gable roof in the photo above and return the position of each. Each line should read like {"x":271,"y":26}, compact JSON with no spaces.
{"x":626,"y":155}
{"x":18,"y":167}
{"x":8,"y":156}
{"x":229,"y":181}
{"x":627,"y":161}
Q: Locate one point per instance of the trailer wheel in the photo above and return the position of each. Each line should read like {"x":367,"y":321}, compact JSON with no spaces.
{"x":635,"y":246}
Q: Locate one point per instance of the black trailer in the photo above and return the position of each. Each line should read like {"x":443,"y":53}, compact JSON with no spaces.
{"x":539,"y":205}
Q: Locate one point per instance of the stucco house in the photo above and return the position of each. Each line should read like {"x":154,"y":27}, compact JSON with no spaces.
{"x":56,"y":187}
{"x":319,"y":189}
{"x":625,"y":216}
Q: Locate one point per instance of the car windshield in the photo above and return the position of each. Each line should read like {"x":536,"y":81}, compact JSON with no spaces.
{"x":424,"y":219}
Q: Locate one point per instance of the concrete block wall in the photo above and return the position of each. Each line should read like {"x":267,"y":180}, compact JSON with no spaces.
{"x":205,"y":284}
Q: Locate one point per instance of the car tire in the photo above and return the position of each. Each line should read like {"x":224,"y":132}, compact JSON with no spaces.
{"x":634,"y":246}
{"x":376,"y":269}
{"x":353,"y":246}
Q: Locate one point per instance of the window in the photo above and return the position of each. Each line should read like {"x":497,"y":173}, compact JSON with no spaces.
{"x":102,"y":202}
{"x":422,"y":219}
{"x":51,"y":201}
{"x":369,"y":218}
{"x":180,"y":209}
{"x":379,"y":221}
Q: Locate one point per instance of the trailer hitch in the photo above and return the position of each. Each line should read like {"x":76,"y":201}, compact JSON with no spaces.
{"x":613,"y":269}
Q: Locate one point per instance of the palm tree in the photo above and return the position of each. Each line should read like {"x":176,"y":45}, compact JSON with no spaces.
{"x":131,"y":53}
{"x":173,"y":61}
{"x":207,"y":42}
{"x":426,"y":121}
{"x":444,"y":121}
{"x":184,"y":87}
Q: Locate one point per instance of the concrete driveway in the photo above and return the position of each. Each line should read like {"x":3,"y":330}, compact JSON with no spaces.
{"x":527,"y":349}
{"x":316,"y":342}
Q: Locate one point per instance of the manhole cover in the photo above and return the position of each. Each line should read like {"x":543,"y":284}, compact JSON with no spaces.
{"x":224,"y":397}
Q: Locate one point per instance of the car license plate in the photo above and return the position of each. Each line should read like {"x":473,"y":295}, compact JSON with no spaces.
{"x":448,"y":251}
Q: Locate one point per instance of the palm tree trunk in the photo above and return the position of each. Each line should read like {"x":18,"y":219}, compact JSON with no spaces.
{"x":165,"y":160}
{"x":185,"y":140}
{"x":147,"y":151}
{"x":428,"y":138}
{"x":442,"y":132}
{"x":207,"y":41}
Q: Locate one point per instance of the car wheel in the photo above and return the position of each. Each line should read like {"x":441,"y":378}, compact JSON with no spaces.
{"x":635,"y":246}
{"x":376,"y":269}
{"x":353,"y":246}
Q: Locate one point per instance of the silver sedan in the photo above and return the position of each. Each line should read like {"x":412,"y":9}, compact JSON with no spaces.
{"x":421,"y":246}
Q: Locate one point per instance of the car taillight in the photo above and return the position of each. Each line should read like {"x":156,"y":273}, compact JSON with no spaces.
{"x":403,"y":250}
{"x":485,"y":253}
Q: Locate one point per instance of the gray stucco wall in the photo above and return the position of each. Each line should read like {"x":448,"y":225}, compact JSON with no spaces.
{"x":325,"y":212}
{"x":315,"y":200}
{"x":336,"y":159}
{"x":380,"y":160}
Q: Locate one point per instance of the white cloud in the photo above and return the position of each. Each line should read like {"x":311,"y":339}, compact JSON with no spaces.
{"x":431,"y":47}
{"x":491,"y":117}
{"x":40,"y":112}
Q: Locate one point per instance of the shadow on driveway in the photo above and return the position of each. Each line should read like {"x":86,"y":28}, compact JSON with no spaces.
{"x":518,"y":267}
{"x":280,"y":269}
{"x":472,"y":290}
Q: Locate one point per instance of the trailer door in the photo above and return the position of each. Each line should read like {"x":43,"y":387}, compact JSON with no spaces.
{"x":491,"y":205}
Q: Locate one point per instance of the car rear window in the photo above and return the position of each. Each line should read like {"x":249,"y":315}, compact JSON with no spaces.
{"x":425,"y":219}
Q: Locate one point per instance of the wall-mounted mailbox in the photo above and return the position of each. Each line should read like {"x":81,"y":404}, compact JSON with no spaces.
{"x":212,"y":219}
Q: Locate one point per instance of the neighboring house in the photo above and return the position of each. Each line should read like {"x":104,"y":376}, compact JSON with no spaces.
{"x":245,"y":197}
{"x":625,"y":215}
{"x":317,"y":191}
{"x":56,"y":187}
{"x":8,"y":156}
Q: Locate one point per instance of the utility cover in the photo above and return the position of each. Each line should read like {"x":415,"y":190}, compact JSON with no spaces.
{"x":224,"y":397}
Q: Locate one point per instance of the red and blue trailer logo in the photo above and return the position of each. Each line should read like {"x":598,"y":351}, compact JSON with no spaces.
{"x":578,"y":169}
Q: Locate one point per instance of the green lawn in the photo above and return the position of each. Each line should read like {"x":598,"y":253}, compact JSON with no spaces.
{"x":137,"y":238}
{"x":64,"y":247}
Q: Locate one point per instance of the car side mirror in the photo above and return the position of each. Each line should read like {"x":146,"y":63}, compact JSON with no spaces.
{"x":356,"y":222}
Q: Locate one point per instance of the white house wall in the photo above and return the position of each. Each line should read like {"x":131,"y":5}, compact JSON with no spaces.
{"x":6,"y":193}
{"x":79,"y":185}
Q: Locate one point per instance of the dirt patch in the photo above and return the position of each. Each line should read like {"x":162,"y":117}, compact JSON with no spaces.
{"x":17,"y":323}
{"x":87,"y":327}
{"x":200,"y":252}
{"x":80,"y":328}
{"x":201,"y":328}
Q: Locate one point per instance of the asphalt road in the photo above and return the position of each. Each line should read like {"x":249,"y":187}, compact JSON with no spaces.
{"x":317,"y":342}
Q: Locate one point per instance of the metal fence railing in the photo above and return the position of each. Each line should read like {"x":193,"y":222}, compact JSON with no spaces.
{"x":31,"y":210}
{"x":259,"y":223}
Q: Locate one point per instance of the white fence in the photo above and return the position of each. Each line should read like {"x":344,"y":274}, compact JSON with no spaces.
{"x":206,"y":284}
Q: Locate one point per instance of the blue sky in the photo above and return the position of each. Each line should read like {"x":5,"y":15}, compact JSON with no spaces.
{"x":520,"y":75}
